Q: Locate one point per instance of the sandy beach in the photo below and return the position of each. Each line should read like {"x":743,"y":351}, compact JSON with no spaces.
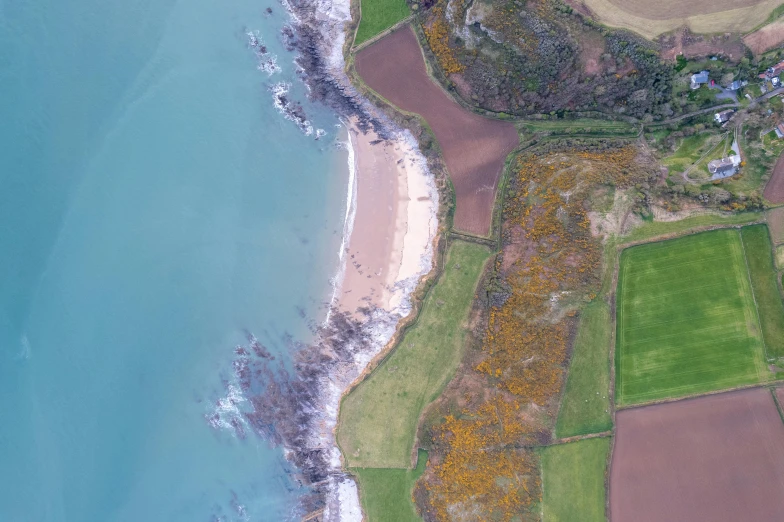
{"x":393,"y":224}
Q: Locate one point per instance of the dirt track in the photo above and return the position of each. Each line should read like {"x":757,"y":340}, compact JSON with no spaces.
{"x":717,"y":458}
{"x":774,"y":190}
{"x":474,"y":147}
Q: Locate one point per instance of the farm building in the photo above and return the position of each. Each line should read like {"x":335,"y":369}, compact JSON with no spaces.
{"x":723,"y":116}
{"x":699,"y":79}
{"x":775,"y":70}
{"x":779,"y":130}
{"x":725,"y":167}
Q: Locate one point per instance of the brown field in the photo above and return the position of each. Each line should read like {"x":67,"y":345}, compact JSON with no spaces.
{"x":776,"y":225}
{"x":780,"y":396}
{"x":774,"y":190}
{"x":651,"y":19}
{"x":692,"y":45}
{"x":474,"y":147}
{"x":766,"y":38}
{"x":717,"y":458}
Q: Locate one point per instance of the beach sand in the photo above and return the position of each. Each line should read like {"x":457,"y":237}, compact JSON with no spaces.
{"x":393,"y":226}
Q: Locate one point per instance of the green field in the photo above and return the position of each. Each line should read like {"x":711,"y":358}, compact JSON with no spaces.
{"x":586,"y":402}
{"x":759,"y":256}
{"x":378,"y":16}
{"x":686,"y":320}
{"x":378,"y":419}
{"x":573,"y":481}
{"x":386,"y":493}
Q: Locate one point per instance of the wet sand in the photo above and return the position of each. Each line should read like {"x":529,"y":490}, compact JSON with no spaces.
{"x":393,"y":225}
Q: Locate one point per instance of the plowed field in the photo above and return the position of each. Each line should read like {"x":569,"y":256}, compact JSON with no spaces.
{"x":774,"y":190}
{"x":474,"y":147}
{"x":717,"y":458}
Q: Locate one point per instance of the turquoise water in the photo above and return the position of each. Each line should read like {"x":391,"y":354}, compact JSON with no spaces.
{"x":154,"y":207}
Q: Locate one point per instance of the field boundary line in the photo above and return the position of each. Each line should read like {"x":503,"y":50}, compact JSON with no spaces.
{"x":356,"y":48}
{"x":754,"y":297}
{"x":777,"y":402}
{"x":669,"y":400}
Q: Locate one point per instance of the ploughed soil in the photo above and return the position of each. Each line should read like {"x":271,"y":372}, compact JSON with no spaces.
{"x":692,"y":45}
{"x":776,"y":225}
{"x":765,"y":38}
{"x":474,"y":147}
{"x":665,"y":10}
{"x":717,"y":458}
{"x":774,"y":190}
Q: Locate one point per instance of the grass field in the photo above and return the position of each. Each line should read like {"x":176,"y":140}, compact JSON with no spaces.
{"x":686,"y":320}
{"x":780,"y":256}
{"x":759,"y":256}
{"x":651,"y":19}
{"x":586,"y":401}
{"x":386,"y":493}
{"x":652,"y":229}
{"x":378,"y":419}
{"x":573,"y":481}
{"x":378,"y":16}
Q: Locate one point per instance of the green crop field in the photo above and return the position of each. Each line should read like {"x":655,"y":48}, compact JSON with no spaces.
{"x":378,"y":16}
{"x":759,"y":256}
{"x":686,"y":320}
{"x":386,"y":493}
{"x":573,"y":481}
{"x":586,"y":402}
{"x":378,"y":419}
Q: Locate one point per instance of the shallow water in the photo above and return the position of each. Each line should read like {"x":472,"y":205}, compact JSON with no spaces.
{"x":154,"y":209}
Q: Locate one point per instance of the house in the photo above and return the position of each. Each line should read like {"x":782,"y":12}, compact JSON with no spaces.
{"x":779,"y":130}
{"x":723,"y":116}
{"x":734,"y":86}
{"x":699,"y":79}
{"x":725,"y":167}
{"x":775,"y":70}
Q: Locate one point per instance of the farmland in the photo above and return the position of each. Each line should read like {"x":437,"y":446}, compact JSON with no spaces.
{"x":686,"y":320}
{"x":474,"y":147}
{"x":573,"y":481}
{"x":586,"y":402}
{"x":378,"y":16}
{"x":774,"y":190}
{"x":650,"y":19}
{"x":386,"y":493}
{"x":759,"y":256}
{"x":378,"y":419}
{"x":714,"y":458}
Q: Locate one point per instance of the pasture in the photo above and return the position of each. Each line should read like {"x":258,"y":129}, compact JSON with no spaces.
{"x":573,"y":481}
{"x":379,"y":418}
{"x":759,"y":257}
{"x":685,"y":320}
{"x":378,"y":16}
{"x":714,"y":458}
{"x":650,"y":19}
{"x":386,"y":493}
{"x":586,"y":401}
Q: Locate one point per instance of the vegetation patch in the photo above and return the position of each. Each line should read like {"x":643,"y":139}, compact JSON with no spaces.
{"x":386,"y":493}
{"x":378,"y":16}
{"x":586,"y":403}
{"x":759,"y":256}
{"x":573,"y":478}
{"x":378,"y":419}
{"x":686,"y":321}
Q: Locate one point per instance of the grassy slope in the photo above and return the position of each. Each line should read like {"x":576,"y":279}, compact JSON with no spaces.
{"x":378,"y":16}
{"x":378,"y":420}
{"x":759,"y":255}
{"x":657,"y":228}
{"x":386,"y":493}
{"x":689,"y":150}
{"x":573,"y":481}
{"x":686,"y":320}
{"x":589,"y":373}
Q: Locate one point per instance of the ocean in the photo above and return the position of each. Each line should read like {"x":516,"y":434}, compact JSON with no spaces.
{"x":156,"y":212}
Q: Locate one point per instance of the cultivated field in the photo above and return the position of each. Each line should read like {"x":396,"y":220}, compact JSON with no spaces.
{"x":686,"y":320}
{"x":716,"y":458}
{"x":776,"y":224}
{"x":759,"y":257}
{"x":378,"y":16}
{"x":386,"y":493}
{"x":765,"y":38}
{"x":378,"y":419}
{"x":474,"y":147}
{"x":774,"y":190}
{"x":586,"y":402}
{"x":573,"y":481}
{"x":651,"y":19}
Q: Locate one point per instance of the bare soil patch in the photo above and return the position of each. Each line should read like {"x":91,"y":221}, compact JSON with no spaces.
{"x":776,"y":225}
{"x":774,"y":190}
{"x":474,"y":147}
{"x":668,"y":9}
{"x":692,"y":45}
{"x":765,"y":38}
{"x":716,"y":458}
